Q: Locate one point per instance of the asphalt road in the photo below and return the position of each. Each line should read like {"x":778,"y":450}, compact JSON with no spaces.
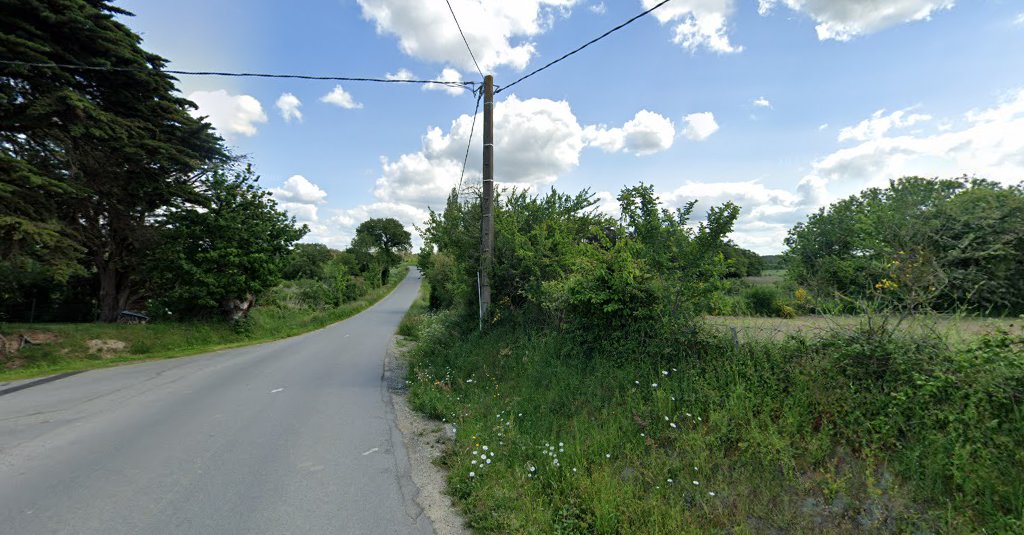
{"x":294,"y":436}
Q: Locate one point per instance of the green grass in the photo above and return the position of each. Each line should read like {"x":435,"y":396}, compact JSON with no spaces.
{"x":845,"y":435}
{"x":171,"y":339}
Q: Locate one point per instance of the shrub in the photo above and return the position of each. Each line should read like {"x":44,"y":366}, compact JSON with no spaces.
{"x":763,"y":300}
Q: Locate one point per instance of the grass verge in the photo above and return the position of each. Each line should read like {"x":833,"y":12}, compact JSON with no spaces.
{"x":71,"y":349}
{"x":848,"y":434}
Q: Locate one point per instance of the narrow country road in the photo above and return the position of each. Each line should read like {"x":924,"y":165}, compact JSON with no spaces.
{"x":294,"y":436}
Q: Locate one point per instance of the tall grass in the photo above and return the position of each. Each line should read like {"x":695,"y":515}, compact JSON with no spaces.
{"x":854,"y":433}
{"x":174,"y":338}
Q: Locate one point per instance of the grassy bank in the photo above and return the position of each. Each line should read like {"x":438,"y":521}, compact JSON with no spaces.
{"x":855,"y":432}
{"x":68,"y":347}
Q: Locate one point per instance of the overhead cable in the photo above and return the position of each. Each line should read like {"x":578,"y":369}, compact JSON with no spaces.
{"x":238,"y":74}
{"x":464,"y":40}
{"x":588,"y":43}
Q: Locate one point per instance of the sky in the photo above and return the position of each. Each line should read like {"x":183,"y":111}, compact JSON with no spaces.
{"x":781,"y":106}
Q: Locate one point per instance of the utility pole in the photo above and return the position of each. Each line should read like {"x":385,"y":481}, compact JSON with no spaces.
{"x":487,"y":200}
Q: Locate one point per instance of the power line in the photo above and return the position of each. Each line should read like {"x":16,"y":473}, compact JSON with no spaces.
{"x":469,"y":144}
{"x":464,"y":40}
{"x":592,"y":41}
{"x":470,"y":85}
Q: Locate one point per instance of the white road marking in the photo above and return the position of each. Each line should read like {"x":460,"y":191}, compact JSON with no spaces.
{"x":371,"y":451}
{"x":276,"y":390}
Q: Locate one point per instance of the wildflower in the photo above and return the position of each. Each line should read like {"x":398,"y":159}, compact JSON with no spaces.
{"x":696,"y":482}
{"x":637,"y":382}
{"x":666,"y":418}
{"x":488,"y":461}
{"x":560,"y":444}
{"x":673,"y":424}
{"x":711,"y":493}
{"x":472,"y":474}
{"x":469,"y":380}
{"x":473,"y":461}
{"x":669,"y":480}
{"x":573,"y":469}
{"x":643,"y":435}
{"x":654,"y":385}
{"x":476,"y":452}
{"x":664,"y":372}
{"x":608,"y":455}
{"x":484,"y":448}
{"x":483,"y":456}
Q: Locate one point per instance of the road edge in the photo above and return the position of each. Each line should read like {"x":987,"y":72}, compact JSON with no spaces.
{"x":424,"y":441}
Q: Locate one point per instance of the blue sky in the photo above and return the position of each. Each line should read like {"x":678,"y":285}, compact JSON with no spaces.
{"x":779,"y":105}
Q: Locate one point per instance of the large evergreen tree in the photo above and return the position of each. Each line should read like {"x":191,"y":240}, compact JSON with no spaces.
{"x":88,"y":155}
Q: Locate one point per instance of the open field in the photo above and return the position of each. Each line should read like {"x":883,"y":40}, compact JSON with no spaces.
{"x":82,"y":346}
{"x":955,"y":329}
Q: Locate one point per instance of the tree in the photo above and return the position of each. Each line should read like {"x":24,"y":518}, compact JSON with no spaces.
{"x":221,"y":255}
{"x":382,"y":240}
{"x":308,"y":261}
{"x":918,"y":243}
{"x":94,"y":153}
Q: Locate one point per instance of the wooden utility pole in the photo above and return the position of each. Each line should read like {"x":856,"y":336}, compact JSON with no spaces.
{"x":487,"y":200}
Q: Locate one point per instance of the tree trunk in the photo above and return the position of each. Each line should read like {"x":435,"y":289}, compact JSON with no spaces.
{"x":114,"y":290}
{"x":237,"y":308}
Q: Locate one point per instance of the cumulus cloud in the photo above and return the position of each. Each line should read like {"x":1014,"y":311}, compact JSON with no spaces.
{"x":700,"y":126}
{"x":599,"y":8}
{"x":878,"y":125}
{"x":498,"y":32}
{"x":762,"y":102}
{"x":843,"y":20}
{"x":984,"y":142}
{"x":230,"y":114}
{"x":537,"y":140}
{"x":645,"y":134}
{"x":289,"y":104}
{"x":447,"y":75}
{"x":697,"y":23}
{"x":300,"y":197}
{"x":402,"y":74}
{"x":340,"y":97}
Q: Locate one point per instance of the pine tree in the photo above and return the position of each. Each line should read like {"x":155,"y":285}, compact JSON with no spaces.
{"x":90,"y":155}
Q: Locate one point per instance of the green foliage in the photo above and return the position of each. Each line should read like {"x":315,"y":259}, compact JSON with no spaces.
{"x":307,"y":261}
{"x":763,"y":300}
{"x":226,"y":252}
{"x":857,"y":432}
{"x":90,"y":156}
{"x":919,"y":244}
{"x":379,"y":245}
{"x":742,"y":262}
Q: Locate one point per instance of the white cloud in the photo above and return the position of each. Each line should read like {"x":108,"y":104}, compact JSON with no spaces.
{"x":697,"y":23}
{"x":878,"y":125}
{"x":1019,"y":21}
{"x":536,"y":140}
{"x":230,"y":114}
{"x":402,"y":74}
{"x":699,"y":126}
{"x":986,"y":143}
{"x":300,"y":197}
{"x":843,"y":20}
{"x":340,"y":97}
{"x":645,"y":134}
{"x":599,"y":8}
{"x":762,"y":102}
{"x":823,"y":126}
{"x":498,"y":32}
{"x":447,"y":75}
{"x":289,"y":106}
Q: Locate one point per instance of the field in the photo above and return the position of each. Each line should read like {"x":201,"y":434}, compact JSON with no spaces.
{"x":957,"y":329}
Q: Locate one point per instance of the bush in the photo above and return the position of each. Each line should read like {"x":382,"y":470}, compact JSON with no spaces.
{"x":763,"y":300}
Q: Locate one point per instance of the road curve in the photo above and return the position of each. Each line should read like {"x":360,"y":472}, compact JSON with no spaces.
{"x":293,"y":436}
